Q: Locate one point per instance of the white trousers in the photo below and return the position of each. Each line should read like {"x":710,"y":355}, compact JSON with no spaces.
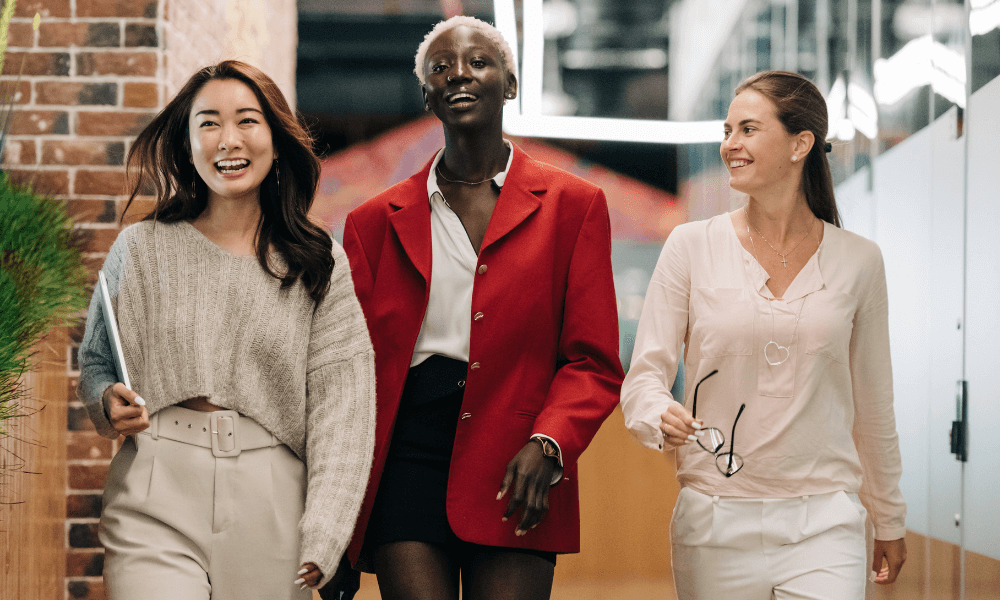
{"x":811,"y":547}
{"x":180,"y":523}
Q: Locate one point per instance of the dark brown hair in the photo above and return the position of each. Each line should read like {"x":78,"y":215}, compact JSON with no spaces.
{"x":161,"y":158}
{"x":800,"y":107}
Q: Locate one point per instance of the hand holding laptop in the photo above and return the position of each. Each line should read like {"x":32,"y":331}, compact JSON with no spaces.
{"x":125,"y":409}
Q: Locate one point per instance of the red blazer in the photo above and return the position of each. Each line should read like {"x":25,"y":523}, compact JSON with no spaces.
{"x":544,"y":359}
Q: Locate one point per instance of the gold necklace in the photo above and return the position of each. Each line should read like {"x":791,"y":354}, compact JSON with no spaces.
{"x":781,"y":353}
{"x":441,"y":174}
{"x":784,"y":262}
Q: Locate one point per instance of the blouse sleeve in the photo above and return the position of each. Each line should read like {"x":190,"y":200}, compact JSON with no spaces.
{"x":874,"y":417}
{"x":659,"y":339}
{"x":96,"y":358}
{"x":340,"y":421}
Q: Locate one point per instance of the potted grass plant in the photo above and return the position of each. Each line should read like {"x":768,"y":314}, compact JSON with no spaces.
{"x":42,"y":278}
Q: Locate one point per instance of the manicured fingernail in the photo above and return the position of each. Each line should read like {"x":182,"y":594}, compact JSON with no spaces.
{"x":499,"y":495}
{"x":504,"y":519}
{"x":696,"y":425}
{"x":302,"y":587}
{"x":699,"y":433}
{"x":302,"y":572}
{"x":299,"y":581}
{"x":140,"y":401}
{"x":871,"y":577}
{"x":691,"y":438}
{"x":520,"y":532}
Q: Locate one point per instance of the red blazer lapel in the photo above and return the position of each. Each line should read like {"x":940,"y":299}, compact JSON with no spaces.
{"x":517,"y":200}
{"x":412,"y":222}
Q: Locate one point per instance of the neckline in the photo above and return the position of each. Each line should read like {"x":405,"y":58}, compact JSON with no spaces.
{"x":811,"y":266}
{"x":204,"y":240}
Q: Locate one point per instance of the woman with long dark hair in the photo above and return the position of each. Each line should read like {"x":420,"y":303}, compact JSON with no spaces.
{"x":250,"y":420}
{"x":785,"y":440}
{"x":486,"y":281}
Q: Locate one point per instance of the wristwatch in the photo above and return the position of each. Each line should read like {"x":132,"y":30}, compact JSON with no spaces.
{"x":548,"y":448}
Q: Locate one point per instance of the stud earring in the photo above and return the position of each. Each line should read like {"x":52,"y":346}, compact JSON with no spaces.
{"x":795,"y":158}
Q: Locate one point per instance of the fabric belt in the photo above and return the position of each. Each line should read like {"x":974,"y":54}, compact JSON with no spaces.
{"x":226,"y":432}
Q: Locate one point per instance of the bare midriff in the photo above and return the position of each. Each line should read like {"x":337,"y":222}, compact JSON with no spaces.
{"x":200,"y":403}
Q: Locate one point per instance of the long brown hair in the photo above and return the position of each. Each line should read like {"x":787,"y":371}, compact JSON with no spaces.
{"x":160,"y":158}
{"x":800,"y":107}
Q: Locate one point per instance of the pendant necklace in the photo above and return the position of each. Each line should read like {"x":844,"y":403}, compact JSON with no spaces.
{"x":449,"y":180}
{"x":784,"y":263}
{"x":774,"y":353}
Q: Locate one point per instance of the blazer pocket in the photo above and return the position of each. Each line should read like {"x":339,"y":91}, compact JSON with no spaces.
{"x":721,"y":322}
{"x":526,"y":415}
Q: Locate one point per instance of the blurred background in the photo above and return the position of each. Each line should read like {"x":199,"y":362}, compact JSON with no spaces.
{"x":629,"y":95}
{"x":913,"y":88}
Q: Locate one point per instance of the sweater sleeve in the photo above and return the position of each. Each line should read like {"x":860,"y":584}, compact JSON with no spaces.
{"x":659,"y":339}
{"x":96,"y":358}
{"x":340,"y":421}
{"x":874,"y":418}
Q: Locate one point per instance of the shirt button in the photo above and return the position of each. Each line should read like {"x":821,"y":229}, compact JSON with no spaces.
{"x":482,"y":269}
{"x":477,"y":316}
{"x":474,"y":366}
{"x":467,"y":415}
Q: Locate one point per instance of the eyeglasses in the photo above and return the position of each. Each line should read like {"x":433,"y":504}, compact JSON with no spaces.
{"x":713,"y":440}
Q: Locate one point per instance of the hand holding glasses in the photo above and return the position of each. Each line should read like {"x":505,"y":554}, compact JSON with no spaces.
{"x":713,"y":440}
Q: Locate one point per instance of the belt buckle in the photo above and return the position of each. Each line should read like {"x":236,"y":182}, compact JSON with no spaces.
{"x":225,"y":433}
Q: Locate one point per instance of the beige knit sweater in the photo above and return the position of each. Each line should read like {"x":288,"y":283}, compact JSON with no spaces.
{"x":197,"y":321}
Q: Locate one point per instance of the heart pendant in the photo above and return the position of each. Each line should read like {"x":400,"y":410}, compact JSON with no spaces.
{"x":780,"y":353}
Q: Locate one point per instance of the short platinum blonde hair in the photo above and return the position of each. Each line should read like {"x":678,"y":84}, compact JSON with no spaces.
{"x":491,"y":33}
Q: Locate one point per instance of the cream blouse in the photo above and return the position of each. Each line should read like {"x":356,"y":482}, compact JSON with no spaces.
{"x":819,"y":422}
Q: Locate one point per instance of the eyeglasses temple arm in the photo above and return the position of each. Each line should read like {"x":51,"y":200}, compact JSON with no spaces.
{"x":732,"y":437}
{"x":694,"y":401}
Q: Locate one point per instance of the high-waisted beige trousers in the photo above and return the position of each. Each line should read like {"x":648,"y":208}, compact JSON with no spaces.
{"x":183,"y":521}
{"x":807,"y":548}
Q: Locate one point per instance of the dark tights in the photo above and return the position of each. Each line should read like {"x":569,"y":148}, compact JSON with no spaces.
{"x":421,"y":571}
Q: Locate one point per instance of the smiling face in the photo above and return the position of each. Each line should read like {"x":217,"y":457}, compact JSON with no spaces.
{"x":231,"y":146}
{"x":466,"y":80}
{"x":757,"y":149}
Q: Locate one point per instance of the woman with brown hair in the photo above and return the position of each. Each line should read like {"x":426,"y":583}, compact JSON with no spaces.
{"x":786,"y":439}
{"x":486,"y":280}
{"x":250,"y":420}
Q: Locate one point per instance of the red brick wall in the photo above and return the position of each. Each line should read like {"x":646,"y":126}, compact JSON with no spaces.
{"x":92,"y":76}
{"x":90,"y":80}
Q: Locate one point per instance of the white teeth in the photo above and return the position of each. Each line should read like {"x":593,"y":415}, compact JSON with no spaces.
{"x":231,"y":166}
{"x":738,"y":163}
{"x":461,"y":98}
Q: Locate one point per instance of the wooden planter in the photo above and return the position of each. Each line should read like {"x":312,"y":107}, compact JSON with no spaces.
{"x":32,"y":534}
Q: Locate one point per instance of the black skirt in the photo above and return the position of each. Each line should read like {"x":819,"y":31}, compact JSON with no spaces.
{"x":411,"y":501}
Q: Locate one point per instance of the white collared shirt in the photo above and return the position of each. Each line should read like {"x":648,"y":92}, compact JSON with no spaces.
{"x":453,"y":270}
